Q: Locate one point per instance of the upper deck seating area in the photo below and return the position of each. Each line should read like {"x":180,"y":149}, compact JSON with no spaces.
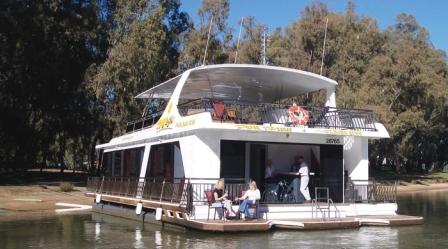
{"x":245,"y":93}
{"x":262,"y":113}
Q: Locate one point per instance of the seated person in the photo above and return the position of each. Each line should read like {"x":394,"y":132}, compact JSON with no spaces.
{"x":250,"y":197}
{"x":220,"y":196}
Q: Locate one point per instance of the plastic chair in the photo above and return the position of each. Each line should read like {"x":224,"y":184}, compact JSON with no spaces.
{"x":212,"y":204}
{"x":253,"y":206}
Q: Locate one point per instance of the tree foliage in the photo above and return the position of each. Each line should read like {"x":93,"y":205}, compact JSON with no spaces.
{"x":69,"y":71}
{"x":45,"y":48}
{"x":145,"y":38}
{"x":213,"y":16}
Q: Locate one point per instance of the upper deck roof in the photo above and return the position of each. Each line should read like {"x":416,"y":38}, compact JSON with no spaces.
{"x":243,"y":82}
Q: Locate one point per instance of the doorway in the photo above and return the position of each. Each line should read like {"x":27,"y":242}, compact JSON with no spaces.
{"x":257,"y":163}
{"x":331,"y":167}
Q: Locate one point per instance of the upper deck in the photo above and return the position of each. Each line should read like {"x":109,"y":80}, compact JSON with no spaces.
{"x":237,"y":94}
{"x":240,"y":82}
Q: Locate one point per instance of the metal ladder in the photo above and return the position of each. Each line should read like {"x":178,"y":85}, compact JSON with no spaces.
{"x":325,"y":210}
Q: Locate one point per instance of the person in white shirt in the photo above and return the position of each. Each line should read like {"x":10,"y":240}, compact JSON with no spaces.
{"x":304,"y":179}
{"x":250,"y":197}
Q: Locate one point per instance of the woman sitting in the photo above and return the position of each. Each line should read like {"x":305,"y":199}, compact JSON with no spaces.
{"x":250,"y":197}
{"x":220,"y":196}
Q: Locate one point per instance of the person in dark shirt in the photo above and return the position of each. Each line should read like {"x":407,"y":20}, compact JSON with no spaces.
{"x":220,"y":196}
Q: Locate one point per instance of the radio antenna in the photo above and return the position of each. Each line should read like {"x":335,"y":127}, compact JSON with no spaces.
{"x":238,"y":42}
{"x":323,"y":48}
{"x":208,"y":38}
{"x":264,"y":46}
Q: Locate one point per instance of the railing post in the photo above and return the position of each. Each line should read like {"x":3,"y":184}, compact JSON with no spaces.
{"x":189,"y":192}
{"x":161,"y":192}
{"x":101,"y":185}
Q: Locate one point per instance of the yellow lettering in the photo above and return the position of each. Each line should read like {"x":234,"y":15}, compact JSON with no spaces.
{"x":185,"y":123}
{"x":344,"y":132}
{"x":258,"y":128}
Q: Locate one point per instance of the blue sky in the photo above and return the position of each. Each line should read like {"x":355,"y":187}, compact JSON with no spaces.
{"x":280,"y":13}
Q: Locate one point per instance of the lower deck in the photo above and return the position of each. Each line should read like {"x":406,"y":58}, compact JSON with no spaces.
{"x":291,"y":216}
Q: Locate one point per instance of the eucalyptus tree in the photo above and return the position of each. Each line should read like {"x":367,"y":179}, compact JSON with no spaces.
{"x":407,"y":86}
{"x":250,"y":49}
{"x":145,"y":40}
{"x":45,"y":49}
{"x":212,"y":32}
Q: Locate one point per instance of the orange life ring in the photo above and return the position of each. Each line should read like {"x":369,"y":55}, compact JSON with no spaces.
{"x":298,"y":115}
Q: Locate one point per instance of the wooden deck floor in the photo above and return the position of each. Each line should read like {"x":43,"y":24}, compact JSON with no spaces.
{"x":306,"y":224}
{"x":177,"y":216}
{"x":231,"y":225}
{"x":301,"y":224}
{"x":349,"y":222}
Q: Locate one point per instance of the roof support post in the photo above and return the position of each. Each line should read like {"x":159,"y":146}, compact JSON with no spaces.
{"x":331,"y":97}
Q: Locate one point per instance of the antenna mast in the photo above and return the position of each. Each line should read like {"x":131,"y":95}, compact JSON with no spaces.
{"x":323,"y":48}
{"x":238,"y":42}
{"x":264,"y":46}
{"x":208,"y":38}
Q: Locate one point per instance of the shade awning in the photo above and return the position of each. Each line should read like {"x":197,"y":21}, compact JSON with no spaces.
{"x":242,"y":82}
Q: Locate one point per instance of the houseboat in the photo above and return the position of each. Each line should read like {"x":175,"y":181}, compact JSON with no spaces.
{"x":226,"y":122}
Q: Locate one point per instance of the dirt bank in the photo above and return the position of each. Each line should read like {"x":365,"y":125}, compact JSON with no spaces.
{"x":421,"y":186}
{"x":38,"y":198}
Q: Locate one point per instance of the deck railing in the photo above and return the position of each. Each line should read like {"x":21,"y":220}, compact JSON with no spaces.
{"x":373,"y":192}
{"x":93,"y":184}
{"x":143,"y":122}
{"x":188,"y":192}
{"x":260,"y":113}
{"x":184,"y":191}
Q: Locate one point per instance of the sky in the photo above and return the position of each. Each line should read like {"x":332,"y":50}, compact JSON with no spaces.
{"x":281,"y":13}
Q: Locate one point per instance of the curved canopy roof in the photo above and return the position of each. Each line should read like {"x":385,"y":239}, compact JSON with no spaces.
{"x":243,"y":82}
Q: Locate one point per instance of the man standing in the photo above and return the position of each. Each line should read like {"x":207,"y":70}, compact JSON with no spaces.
{"x":304,"y":179}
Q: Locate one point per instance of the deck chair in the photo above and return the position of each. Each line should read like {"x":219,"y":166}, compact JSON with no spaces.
{"x":212,"y":204}
{"x":231,"y":114}
{"x":218,"y":109}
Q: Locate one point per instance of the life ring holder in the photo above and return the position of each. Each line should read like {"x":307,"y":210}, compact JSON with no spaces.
{"x":298,"y":115}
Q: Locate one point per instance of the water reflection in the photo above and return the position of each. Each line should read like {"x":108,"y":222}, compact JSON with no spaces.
{"x":158,"y":238}
{"x":138,"y":244}
{"x":102,"y":231}
{"x":97,"y":231}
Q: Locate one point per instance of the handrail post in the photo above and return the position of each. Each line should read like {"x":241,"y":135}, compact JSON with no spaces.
{"x":161,"y":192}
{"x":101,"y":185}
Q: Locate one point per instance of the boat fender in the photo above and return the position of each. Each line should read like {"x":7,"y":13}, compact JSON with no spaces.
{"x":139,"y":208}
{"x":98,"y":198}
{"x":158,"y":213}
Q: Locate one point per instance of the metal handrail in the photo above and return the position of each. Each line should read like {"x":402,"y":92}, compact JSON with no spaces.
{"x":316,"y":207}
{"x":143,"y":122}
{"x":337,"y":214}
{"x":184,"y":191}
{"x":259,"y":113}
{"x":373,"y":192}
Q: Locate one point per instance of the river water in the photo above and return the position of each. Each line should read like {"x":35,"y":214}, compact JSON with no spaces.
{"x":102,"y":231}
